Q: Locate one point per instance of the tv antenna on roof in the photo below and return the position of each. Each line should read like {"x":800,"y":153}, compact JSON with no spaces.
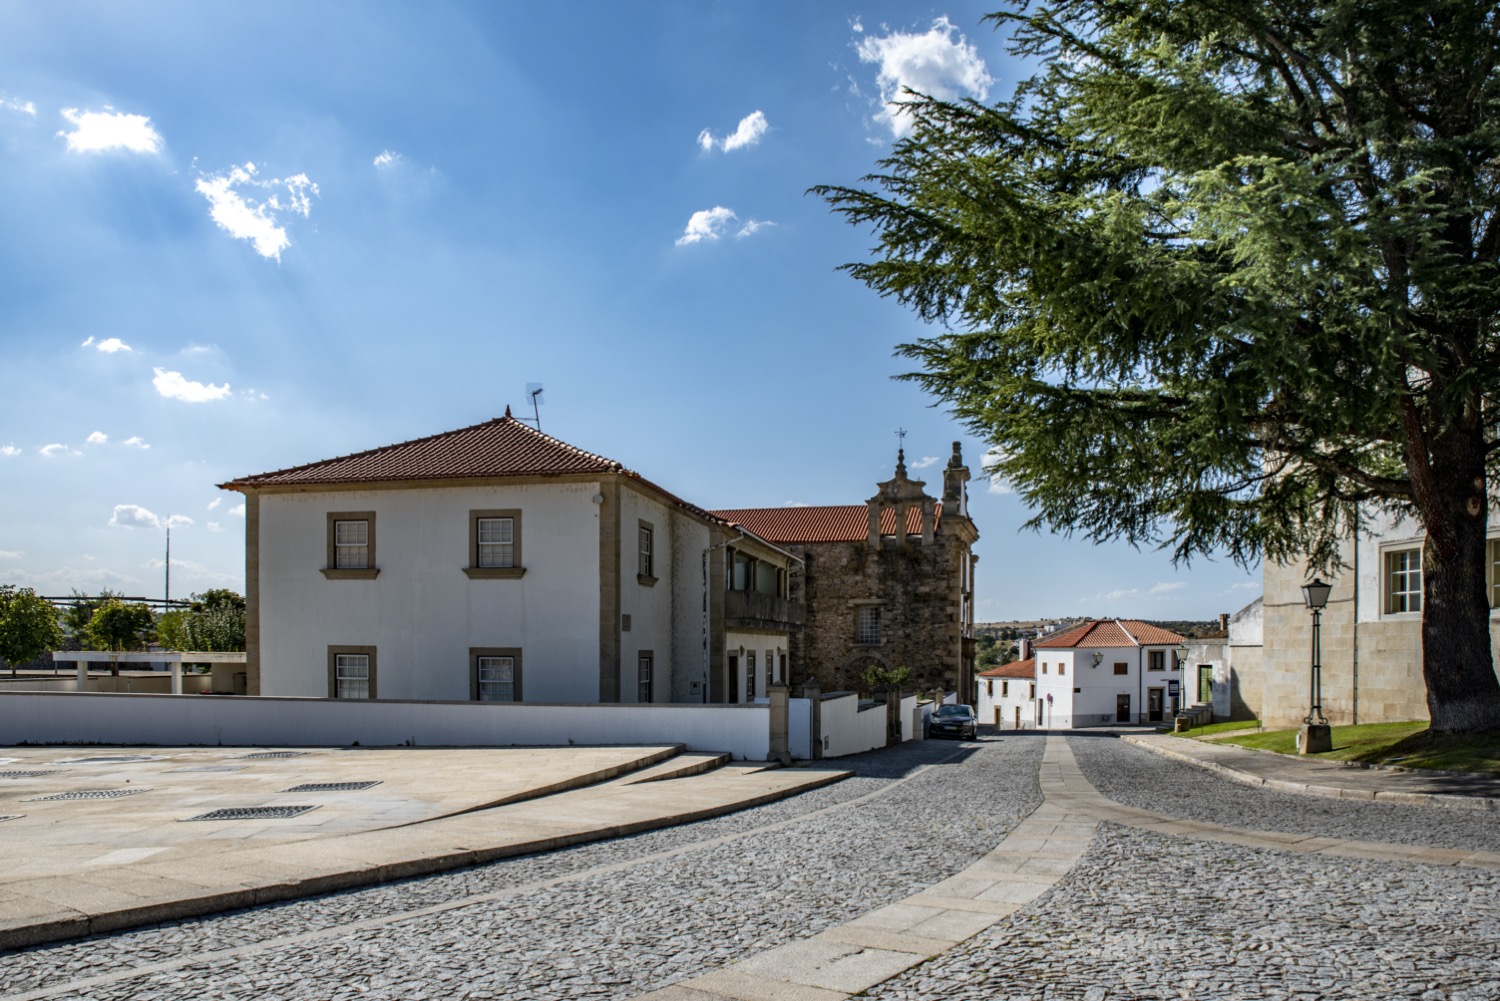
{"x":534,"y":394}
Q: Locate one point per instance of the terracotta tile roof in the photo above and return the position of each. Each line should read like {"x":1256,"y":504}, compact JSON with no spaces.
{"x":1015,"y":669}
{"x":835,"y":523}
{"x":1109,"y":633}
{"x":500,"y":447}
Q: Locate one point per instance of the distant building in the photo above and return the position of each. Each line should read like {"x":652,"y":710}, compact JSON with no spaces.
{"x":888,"y":583}
{"x":496,"y":563}
{"x":1107,"y":671}
{"x":1007,"y":696}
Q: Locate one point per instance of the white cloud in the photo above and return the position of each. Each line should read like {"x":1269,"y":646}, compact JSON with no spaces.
{"x":857,"y":26}
{"x":924,"y":462}
{"x":16,"y":104}
{"x":1156,"y":592}
{"x":214,"y":526}
{"x":387,"y":158}
{"x":711,"y":224}
{"x":215,"y":503}
{"x":99,"y":131}
{"x":1167,"y":587}
{"x":940,"y":63}
{"x":87,"y":342}
{"x":998,"y":483}
{"x":57,"y":448}
{"x":752,"y":227}
{"x":59,"y":581}
{"x":174,"y":386}
{"x":9,"y":450}
{"x":135,"y":516}
{"x":112,"y":344}
{"x":245,"y":218}
{"x":135,"y":441}
{"x":748,"y":133}
{"x":238,"y":510}
{"x":98,"y":438}
{"x":11,"y":554}
{"x":188,"y":566}
{"x":707,"y":224}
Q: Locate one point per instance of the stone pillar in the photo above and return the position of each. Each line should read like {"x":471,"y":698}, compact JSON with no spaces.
{"x":177,"y":675}
{"x":781,"y":748}
{"x":813,"y":693}
{"x":892,"y":717}
{"x":83,"y":675}
{"x":874,"y":528}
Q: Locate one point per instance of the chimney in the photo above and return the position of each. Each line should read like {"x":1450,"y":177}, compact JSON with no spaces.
{"x":1024,"y":651}
{"x":1224,"y":623}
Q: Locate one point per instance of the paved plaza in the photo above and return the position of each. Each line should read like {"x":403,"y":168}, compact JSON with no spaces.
{"x":1018,"y":866}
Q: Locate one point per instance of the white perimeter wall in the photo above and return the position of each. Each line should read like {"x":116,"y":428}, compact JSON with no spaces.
{"x":846,"y":730}
{"x":422,"y":613}
{"x":180,"y":720}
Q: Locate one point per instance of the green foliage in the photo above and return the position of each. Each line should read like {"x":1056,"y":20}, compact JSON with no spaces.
{"x":215,"y":620}
{"x":76,"y":615}
{"x":28,"y":626}
{"x":116,"y":625}
{"x":878,"y":676}
{"x":1203,"y":270}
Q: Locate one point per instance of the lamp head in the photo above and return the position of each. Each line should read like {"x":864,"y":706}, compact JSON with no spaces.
{"x":1315,"y":594}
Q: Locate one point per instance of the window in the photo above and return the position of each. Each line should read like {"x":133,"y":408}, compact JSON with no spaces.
{"x":867,"y":625}
{"x":351,"y":546}
{"x":643,"y":676}
{"x":1004,"y":689}
{"x":495,"y":674}
{"x":1403,"y":581}
{"x":742,"y":572}
{"x":646,"y":541}
{"x":495,"y":545}
{"x":1156,"y":660}
{"x":1044,"y":667}
{"x":749,"y":675}
{"x":497,"y":542}
{"x":1062,"y":669}
{"x":1494,"y":545}
{"x":1122,"y":668}
{"x":351,"y":672}
{"x":1033,"y":691}
{"x":769,"y":662}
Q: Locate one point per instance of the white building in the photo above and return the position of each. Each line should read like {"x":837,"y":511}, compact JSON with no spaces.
{"x":1107,"y":671}
{"x":1007,"y":695}
{"x":497,"y":563}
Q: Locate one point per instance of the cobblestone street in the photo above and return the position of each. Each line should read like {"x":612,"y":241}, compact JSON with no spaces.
{"x":1142,"y":914}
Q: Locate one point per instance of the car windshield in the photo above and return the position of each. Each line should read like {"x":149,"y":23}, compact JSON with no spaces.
{"x":954,"y":711}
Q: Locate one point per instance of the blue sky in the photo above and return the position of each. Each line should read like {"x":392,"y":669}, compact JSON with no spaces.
{"x":239,"y":237}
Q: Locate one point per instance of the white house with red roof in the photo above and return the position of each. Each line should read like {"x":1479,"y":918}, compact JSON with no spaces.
{"x":497,"y":563}
{"x":1107,"y":671}
{"x":1007,"y":695}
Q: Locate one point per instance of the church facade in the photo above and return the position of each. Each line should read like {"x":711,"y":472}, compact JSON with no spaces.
{"x":885,"y":584}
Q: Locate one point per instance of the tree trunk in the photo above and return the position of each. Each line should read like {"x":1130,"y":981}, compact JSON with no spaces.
{"x":1463,"y":694}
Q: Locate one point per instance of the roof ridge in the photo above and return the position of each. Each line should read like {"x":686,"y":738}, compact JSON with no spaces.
{"x":1127,"y":632}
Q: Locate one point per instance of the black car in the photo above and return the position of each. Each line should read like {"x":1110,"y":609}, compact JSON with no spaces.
{"x":954,"y":721}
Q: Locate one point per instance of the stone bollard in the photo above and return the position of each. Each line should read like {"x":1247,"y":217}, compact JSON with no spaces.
{"x":781,"y":749}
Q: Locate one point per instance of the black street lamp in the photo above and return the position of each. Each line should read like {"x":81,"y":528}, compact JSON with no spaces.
{"x":1315,"y":735}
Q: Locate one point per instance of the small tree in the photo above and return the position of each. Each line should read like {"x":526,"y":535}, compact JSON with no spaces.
{"x":28,"y":626}
{"x":878,"y":676}
{"x":118,"y":626}
{"x":75,"y":618}
{"x":214,"y":621}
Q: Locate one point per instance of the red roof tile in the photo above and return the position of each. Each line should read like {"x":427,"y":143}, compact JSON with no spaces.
{"x":1015,"y":669}
{"x":835,"y":523}
{"x":1109,"y":633}
{"x":500,"y":447}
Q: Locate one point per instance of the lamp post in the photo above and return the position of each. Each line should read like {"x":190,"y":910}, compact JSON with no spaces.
{"x":1315,"y":735}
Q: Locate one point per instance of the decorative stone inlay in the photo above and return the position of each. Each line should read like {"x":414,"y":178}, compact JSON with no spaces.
{"x":253,"y":813}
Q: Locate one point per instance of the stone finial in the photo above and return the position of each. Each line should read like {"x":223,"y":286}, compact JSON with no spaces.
{"x":901,"y":463}
{"x":957,"y":458}
{"x":507,"y":410}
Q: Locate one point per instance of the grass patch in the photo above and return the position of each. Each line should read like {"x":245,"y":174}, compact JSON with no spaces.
{"x":1213,"y":728}
{"x":1406,"y":744}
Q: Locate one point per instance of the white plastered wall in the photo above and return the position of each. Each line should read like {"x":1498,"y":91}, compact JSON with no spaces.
{"x":423,"y":613}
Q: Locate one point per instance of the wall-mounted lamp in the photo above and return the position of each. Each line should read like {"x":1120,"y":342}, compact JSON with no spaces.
{"x":1098,"y":657}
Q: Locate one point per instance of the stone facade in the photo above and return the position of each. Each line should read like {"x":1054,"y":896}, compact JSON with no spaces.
{"x":898,"y":593}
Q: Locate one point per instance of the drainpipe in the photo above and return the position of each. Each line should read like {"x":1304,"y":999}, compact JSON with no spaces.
{"x":710,"y":549}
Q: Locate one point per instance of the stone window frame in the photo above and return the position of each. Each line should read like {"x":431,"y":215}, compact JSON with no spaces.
{"x":517,"y":569}
{"x":1156,"y":660}
{"x":1122,"y":667}
{"x":337,"y":650}
{"x":1406,"y":603}
{"x":645,"y":676}
{"x":513,"y":652}
{"x":1004,"y":689}
{"x":645,"y":555}
{"x":331,"y":569}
